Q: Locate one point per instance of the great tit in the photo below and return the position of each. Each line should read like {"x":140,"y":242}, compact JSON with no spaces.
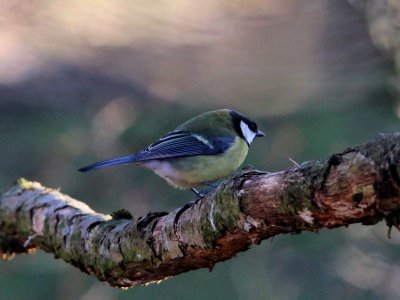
{"x":202,"y":150}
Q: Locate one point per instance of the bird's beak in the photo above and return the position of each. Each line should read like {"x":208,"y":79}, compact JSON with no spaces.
{"x":260,"y":133}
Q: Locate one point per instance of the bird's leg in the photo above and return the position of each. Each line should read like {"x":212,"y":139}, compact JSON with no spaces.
{"x":211,"y":184}
{"x":198,"y":193}
{"x":202,"y":193}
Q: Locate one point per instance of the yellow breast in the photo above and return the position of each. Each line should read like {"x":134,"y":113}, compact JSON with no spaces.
{"x":192,"y":171}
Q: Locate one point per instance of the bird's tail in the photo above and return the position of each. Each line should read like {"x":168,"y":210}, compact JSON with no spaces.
{"x":110,"y":162}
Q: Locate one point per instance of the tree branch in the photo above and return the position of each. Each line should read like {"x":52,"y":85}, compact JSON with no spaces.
{"x":359,"y":185}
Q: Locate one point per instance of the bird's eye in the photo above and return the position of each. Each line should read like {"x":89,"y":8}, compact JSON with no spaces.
{"x":253,"y":127}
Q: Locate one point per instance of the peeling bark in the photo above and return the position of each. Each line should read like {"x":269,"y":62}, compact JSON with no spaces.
{"x":359,"y":185}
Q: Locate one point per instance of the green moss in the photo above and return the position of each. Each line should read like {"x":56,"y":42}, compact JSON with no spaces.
{"x":25,"y":184}
{"x":225,"y":214}
{"x":295,"y":197}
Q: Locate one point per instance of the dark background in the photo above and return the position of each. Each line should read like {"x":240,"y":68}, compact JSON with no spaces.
{"x":82,"y":81}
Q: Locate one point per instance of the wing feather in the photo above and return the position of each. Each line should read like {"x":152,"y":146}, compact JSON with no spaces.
{"x":174,"y":144}
{"x":180,"y":143}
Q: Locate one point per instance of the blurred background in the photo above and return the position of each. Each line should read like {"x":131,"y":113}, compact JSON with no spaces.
{"x":82,"y":81}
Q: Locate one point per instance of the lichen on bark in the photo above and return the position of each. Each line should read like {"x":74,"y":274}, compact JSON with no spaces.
{"x":360,"y":184}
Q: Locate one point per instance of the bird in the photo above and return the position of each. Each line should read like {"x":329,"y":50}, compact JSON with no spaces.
{"x":198,"y":152}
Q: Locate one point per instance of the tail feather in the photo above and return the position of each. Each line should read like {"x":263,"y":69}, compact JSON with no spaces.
{"x":110,"y":162}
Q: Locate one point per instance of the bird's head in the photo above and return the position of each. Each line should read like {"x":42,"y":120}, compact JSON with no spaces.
{"x":245,"y":128}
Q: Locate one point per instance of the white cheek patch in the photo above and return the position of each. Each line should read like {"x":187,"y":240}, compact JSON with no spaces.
{"x":248,"y":134}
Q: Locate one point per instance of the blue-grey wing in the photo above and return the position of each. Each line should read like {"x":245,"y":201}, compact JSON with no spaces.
{"x":180,"y":143}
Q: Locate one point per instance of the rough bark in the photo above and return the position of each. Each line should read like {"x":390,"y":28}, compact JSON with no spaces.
{"x":359,"y":185}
